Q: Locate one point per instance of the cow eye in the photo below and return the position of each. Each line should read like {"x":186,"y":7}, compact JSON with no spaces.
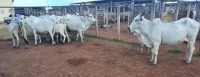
{"x":136,"y":20}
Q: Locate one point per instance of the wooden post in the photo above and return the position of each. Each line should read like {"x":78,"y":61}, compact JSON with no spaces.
{"x":106,"y":18}
{"x":129,"y":12}
{"x":177,"y":11}
{"x":118,"y":21}
{"x":65,"y":11}
{"x":96,"y":17}
{"x":153,"y":11}
{"x":162,"y":10}
{"x":198,"y":10}
{"x":123,"y":15}
{"x":104,"y":15}
{"x":111,"y":8}
{"x":81,"y":10}
{"x":188,"y":11}
{"x":13,"y":13}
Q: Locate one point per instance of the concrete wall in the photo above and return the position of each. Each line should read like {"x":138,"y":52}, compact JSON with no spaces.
{"x":4,"y":12}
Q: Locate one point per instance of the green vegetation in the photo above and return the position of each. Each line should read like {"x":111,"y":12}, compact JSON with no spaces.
{"x":113,"y":40}
{"x":198,"y":54}
{"x":4,"y":32}
{"x":1,"y":22}
{"x":174,"y":51}
{"x":92,"y":28}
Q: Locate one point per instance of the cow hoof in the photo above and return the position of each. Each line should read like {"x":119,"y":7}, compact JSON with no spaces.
{"x":35,"y":45}
{"x":14,"y":46}
{"x":152,"y":64}
{"x":17,"y":47}
{"x":26,"y":48}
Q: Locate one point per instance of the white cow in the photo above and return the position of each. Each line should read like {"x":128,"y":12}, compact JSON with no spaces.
{"x":156,"y":32}
{"x":16,"y":26}
{"x":40,"y":26}
{"x":79,"y":23}
{"x":60,"y":27}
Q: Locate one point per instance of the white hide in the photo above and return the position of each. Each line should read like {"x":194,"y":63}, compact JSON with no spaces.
{"x":141,"y":38}
{"x":79,"y":23}
{"x":156,"y":32}
{"x":15,"y":27}
{"x":40,"y":25}
{"x":61,"y":28}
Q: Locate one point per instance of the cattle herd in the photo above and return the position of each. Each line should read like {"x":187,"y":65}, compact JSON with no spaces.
{"x":50,"y":25}
{"x":151,"y":33}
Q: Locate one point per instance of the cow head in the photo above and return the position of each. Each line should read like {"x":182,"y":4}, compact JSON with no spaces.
{"x":91,"y":18}
{"x":136,"y":23}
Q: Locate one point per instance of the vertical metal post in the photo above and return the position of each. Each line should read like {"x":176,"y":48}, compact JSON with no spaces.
{"x":129,"y":12}
{"x":177,"y":11}
{"x":153,"y":10}
{"x":118,"y":21}
{"x":188,"y":11}
{"x":106,"y":18}
{"x":104,"y":15}
{"x":96,"y":17}
{"x":162,"y":9}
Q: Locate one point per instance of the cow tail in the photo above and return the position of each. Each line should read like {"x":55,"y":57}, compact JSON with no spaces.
{"x":25,"y":40}
{"x":22,"y":29}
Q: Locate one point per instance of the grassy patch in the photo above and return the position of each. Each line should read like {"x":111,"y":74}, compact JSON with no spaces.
{"x":4,"y":32}
{"x":198,"y":54}
{"x":92,"y":28}
{"x":174,"y":51}
{"x":1,"y":22}
{"x":113,"y":40}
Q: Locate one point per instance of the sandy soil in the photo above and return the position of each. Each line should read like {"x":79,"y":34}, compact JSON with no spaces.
{"x":94,"y":58}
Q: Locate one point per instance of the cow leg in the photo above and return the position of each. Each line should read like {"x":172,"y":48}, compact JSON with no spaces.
{"x":64,"y":36}
{"x":142,"y":45}
{"x":61,"y":37}
{"x":51,"y":34}
{"x":187,"y":52}
{"x":68,"y":40}
{"x":17,"y":38}
{"x":35,"y":35}
{"x":13,"y":40}
{"x":81,"y":35}
{"x":77,"y":36}
{"x":155,"y":53}
{"x":191,"y":50}
{"x":152,"y":56}
{"x":39,"y":37}
{"x":56,"y":38}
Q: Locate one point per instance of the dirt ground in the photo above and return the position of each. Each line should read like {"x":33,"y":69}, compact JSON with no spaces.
{"x":94,"y":58}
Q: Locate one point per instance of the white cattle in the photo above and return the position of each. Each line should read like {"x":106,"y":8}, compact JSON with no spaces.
{"x":60,"y":27}
{"x":15,"y":28}
{"x":156,"y":32}
{"x":40,"y":26}
{"x":79,"y":23}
